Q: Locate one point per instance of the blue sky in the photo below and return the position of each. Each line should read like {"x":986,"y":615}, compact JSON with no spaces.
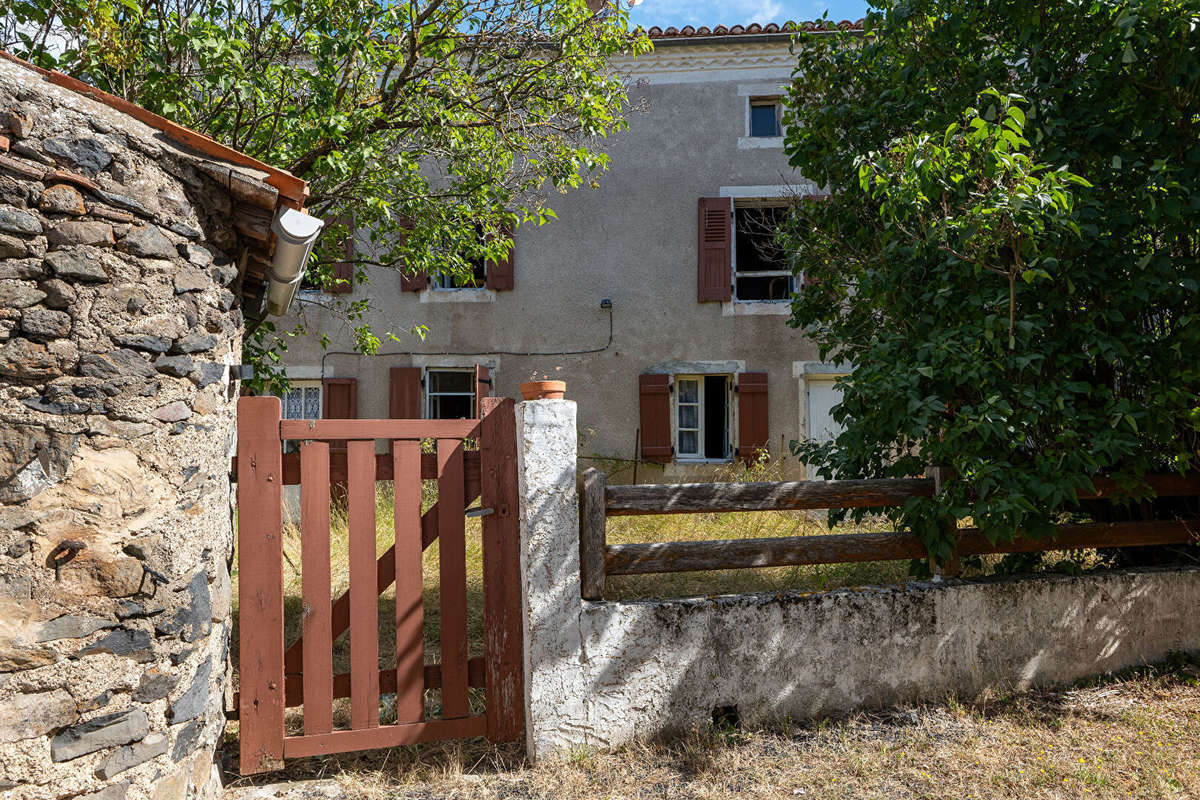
{"x":739,"y":12}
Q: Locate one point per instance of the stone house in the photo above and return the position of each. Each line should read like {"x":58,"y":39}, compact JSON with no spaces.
{"x":131,"y":252}
{"x":658,"y":297}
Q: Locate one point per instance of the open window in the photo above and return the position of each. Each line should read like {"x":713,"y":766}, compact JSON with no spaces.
{"x":450,"y":394}
{"x":761,"y":267}
{"x":702,"y":417}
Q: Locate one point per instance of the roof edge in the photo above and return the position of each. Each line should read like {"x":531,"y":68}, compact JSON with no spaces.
{"x":293,"y":191}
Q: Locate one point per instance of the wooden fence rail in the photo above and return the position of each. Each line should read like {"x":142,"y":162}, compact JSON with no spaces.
{"x":598,"y":559}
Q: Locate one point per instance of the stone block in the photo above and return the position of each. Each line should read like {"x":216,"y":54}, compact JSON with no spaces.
{"x":85,"y":232}
{"x":19,"y":294}
{"x":195,"y":343}
{"x":178,"y":366}
{"x":85,"y":153}
{"x":59,"y":293}
{"x":27,"y":716}
{"x":143,"y":341}
{"x":175,"y":411}
{"x":147,"y":241}
{"x":185,"y":741}
{"x":28,"y":361}
{"x":14,"y":220}
{"x":190,"y":280}
{"x":76,"y":265}
{"x":196,"y":254}
{"x":21,"y":268}
{"x":72,"y":626}
{"x":11,"y":247}
{"x":173,"y":787}
{"x":44,"y":323}
{"x":131,"y":755}
{"x":62,"y":198}
{"x":155,"y":685}
{"x":109,"y":730}
{"x":117,"y":791}
{"x":117,"y":364}
{"x":192,"y":620}
{"x":191,"y":703}
{"x":135,"y":644}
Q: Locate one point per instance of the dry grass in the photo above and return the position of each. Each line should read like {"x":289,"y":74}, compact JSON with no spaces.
{"x":1133,"y":736}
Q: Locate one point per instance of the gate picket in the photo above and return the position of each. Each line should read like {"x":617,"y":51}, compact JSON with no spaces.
{"x":452,"y":591}
{"x":273,"y":677}
{"x":316,"y":623}
{"x":410,"y":611}
{"x":364,"y":622}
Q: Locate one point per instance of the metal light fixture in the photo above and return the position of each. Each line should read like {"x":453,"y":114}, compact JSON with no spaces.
{"x":295,"y":235}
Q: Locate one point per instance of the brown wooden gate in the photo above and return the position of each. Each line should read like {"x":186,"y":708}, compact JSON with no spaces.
{"x":276,"y":675}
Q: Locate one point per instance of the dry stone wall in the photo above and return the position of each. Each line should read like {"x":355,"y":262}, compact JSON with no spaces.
{"x":118,"y":329}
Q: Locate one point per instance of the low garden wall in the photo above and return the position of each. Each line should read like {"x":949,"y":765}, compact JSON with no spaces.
{"x":601,"y":674}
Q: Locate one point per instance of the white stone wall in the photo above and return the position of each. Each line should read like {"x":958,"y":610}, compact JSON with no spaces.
{"x":603,"y":674}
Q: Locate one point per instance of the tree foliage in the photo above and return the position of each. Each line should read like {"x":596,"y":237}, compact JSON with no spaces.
{"x":436,"y":125}
{"x":1008,"y":258}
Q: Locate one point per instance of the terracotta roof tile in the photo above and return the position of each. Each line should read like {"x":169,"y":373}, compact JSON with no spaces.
{"x":754,"y":28}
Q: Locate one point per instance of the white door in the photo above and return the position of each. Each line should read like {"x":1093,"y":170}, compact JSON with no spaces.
{"x":823,"y":395}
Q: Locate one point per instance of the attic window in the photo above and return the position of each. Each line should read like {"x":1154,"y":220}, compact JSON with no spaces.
{"x":765,"y":114}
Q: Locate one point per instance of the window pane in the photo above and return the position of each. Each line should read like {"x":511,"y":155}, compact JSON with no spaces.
{"x":447,"y":381}
{"x":689,"y":416}
{"x":689,"y":443}
{"x":293,"y":407}
{"x":764,"y":120}
{"x":757,"y":248}
{"x":451,"y":406}
{"x":312,"y":402}
{"x":689,"y":391}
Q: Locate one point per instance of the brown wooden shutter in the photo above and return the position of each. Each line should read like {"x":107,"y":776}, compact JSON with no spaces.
{"x":715,"y":249}
{"x":404,"y":393}
{"x":483,"y":386}
{"x":411,"y":281}
{"x":752,"y":415}
{"x":654,"y":392}
{"x":500,"y":275}
{"x":340,"y":401}
{"x":343,"y":271}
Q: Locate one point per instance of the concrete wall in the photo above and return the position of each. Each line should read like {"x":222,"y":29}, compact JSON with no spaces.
{"x":117,"y":330}
{"x":603,"y":674}
{"x":633,"y":240}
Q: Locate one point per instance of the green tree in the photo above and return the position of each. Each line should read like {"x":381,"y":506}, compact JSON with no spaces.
{"x":1009,"y":256}
{"x":436,"y":125}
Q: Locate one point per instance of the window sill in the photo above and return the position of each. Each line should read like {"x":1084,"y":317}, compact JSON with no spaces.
{"x":686,"y":461}
{"x":756,"y":308}
{"x":458,"y":296}
{"x":760,"y":143}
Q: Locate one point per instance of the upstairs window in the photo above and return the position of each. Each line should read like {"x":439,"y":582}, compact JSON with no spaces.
{"x":765,"y":116}
{"x":476,"y":280}
{"x":761,"y":266}
{"x":450,"y":394}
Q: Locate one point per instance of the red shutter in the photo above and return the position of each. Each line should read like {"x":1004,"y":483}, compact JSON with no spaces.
{"x":411,"y":281}
{"x":715,"y":249}
{"x":404,"y":393}
{"x":483,"y":386}
{"x":500,"y":275}
{"x":752,"y":414}
{"x":655,"y":394}
{"x":343,"y":271}
{"x":340,"y":402}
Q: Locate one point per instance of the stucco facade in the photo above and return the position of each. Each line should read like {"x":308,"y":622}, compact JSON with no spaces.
{"x":633,"y":241}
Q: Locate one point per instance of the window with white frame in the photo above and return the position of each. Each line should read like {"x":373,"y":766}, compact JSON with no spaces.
{"x":761,"y":267}
{"x":702,"y":417}
{"x":449,"y":394}
{"x":766,"y":115}
{"x":302,"y":400}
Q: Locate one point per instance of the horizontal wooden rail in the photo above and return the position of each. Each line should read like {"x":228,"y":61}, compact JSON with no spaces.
{"x":694,"y":498}
{"x":383,"y":468}
{"x":642,"y":559}
{"x":384,"y":736}
{"x":338,"y":429}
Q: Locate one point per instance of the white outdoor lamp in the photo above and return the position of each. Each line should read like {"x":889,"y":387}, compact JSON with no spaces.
{"x":295,"y":234}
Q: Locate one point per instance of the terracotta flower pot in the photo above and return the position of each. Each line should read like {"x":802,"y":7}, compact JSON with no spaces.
{"x":543,"y":390}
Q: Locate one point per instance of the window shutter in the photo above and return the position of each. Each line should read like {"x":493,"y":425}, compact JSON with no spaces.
{"x":752,"y":414}
{"x":483,"y":386}
{"x":343,"y":271}
{"x":715,"y":249}
{"x":500,"y":275}
{"x":654,"y":392}
{"x":411,"y":281}
{"x":404,"y":393}
{"x":340,"y":401}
